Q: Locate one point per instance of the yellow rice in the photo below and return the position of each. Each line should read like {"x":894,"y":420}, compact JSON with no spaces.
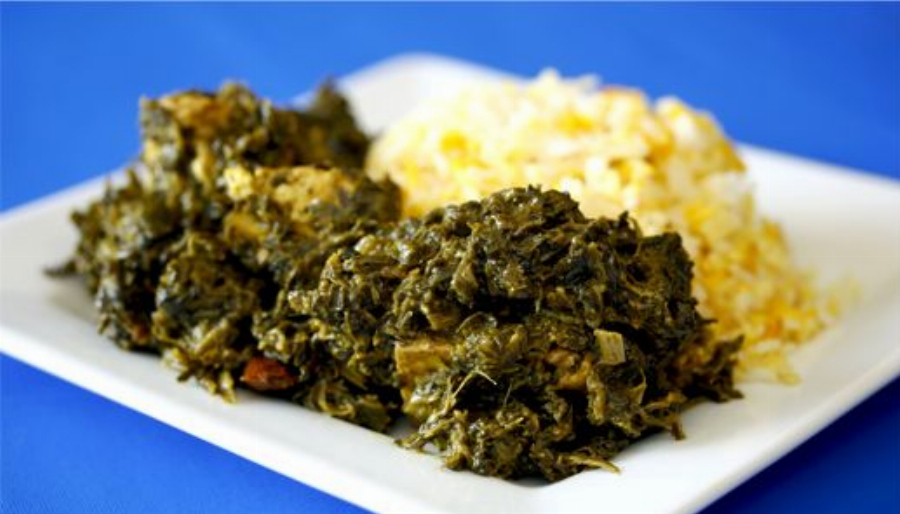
{"x":670,"y":166}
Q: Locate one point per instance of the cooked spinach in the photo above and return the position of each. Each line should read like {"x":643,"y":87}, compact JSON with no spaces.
{"x":525,"y":339}
{"x":231,"y":201}
{"x":520,"y":338}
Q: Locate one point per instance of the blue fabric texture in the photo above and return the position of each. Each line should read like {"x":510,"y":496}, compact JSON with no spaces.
{"x":821,"y":81}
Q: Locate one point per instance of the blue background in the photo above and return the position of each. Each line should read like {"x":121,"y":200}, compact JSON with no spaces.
{"x":817,"y":80}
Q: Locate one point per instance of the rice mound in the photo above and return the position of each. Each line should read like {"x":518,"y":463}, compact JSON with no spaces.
{"x":670,"y":166}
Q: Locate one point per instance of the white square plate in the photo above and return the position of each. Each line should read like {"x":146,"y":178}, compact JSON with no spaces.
{"x":837,"y":220}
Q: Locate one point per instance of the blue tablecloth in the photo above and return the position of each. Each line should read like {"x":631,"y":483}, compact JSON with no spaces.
{"x":817,"y":80}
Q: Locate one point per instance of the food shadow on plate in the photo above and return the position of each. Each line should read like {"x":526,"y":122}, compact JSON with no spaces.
{"x":69,"y":296}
